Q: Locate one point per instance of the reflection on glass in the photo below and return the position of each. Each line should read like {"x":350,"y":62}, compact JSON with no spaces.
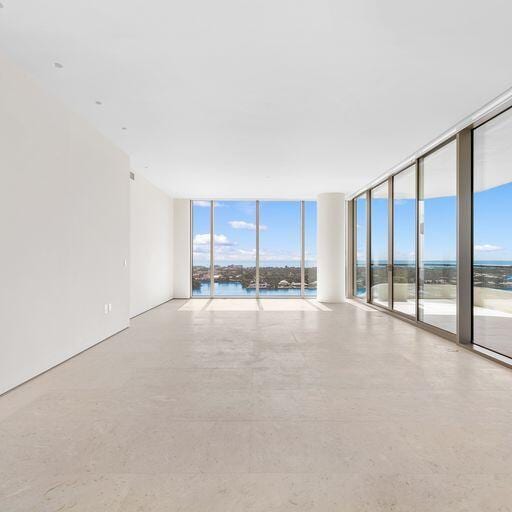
{"x":379,"y":244}
{"x":492,"y":251}
{"x":404,"y":238}
{"x":234,"y":246}
{"x":437,"y":238}
{"x":310,"y":248}
{"x":280,"y":248}
{"x":360,"y":280}
{"x":201,"y":248}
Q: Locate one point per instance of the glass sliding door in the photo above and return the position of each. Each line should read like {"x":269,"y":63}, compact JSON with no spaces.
{"x":310,"y":226}
{"x":379,"y":244}
{"x":438,"y":238}
{"x":404,"y":241}
{"x":360,"y":240}
{"x":492,"y":234}
{"x":280,"y":248}
{"x":234,"y":246}
{"x":201,"y":211}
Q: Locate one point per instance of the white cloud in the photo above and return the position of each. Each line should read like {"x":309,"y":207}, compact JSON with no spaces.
{"x":206,"y":204}
{"x":226,"y":250}
{"x":204,"y":239}
{"x":203,"y":249}
{"x":487,"y":248}
{"x":241,"y":224}
{"x":279,"y":256}
{"x":229,"y":253}
{"x":201,"y":256}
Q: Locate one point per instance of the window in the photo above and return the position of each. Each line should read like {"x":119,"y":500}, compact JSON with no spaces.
{"x":437,"y":238}
{"x":234,"y":246}
{"x":310,"y":223}
{"x":404,"y":242}
{"x":492,"y":234}
{"x":449,"y":238}
{"x":360,"y":278}
{"x":280,"y":248}
{"x":201,"y":211}
{"x":379,"y":245}
{"x":285,"y":233}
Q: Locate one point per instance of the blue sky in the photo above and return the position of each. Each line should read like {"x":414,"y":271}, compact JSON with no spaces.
{"x":492,"y":227}
{"x":439,"y":231}
{"x":235,"y":232}
{"x":493,"y":224}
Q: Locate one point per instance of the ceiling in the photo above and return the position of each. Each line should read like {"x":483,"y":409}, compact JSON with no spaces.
{"x":264,"y":98}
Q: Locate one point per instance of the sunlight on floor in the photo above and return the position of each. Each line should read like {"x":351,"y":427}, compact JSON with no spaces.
{"x":253,"y":305}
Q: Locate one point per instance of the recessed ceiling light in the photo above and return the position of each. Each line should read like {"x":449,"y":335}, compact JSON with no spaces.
{"x":98,"y":102}
{"x":58,"y":65}
{"x":124,"y":128}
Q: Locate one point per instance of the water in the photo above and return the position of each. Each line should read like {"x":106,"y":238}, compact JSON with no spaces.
{"x":235,"y":289}
{"x":493,"y":263}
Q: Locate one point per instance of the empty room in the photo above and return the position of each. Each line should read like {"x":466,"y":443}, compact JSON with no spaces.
{"x":255,"y":256}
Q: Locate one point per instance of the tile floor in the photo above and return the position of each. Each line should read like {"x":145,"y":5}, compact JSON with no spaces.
{"x":271,"y":406}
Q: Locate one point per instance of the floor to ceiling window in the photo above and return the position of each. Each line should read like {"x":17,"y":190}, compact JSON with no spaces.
{"x":201,"y":222}
{"x":492,"y":234}
{"x":310,"y":228}
{"x":234,"y":248}
{"x":404,"y":241}
{"x":450,"y":235}
{"x":280,"y":248}
{"x":360,"y":234}
{"x":379,"y":244}
{"x":438,"y":238}
{"x":259,"y":248}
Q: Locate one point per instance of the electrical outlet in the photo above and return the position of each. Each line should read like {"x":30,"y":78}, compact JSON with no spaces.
{"x":106,"y":308}
{"x":109,"y":307}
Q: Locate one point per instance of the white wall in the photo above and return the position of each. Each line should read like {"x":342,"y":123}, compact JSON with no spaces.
{"x":64,"y":224}
{"x":331,"y":247}
{"x":151,"y":225}
{"x":181,"y":233}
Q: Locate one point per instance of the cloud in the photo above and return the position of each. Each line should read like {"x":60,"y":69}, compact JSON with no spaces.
{"x":227,"y":253}
{"x":279,"y":255}
{"x":487,"y":248}
{"x":226,"y":250}
{"x":241,"y":224}
{"x":203,"y":249}
{"x":204,"y":239}
{"x":206,"y":204}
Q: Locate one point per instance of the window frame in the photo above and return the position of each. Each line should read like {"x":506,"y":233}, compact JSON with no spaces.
{"x":471,"y":327}
{"x":302,"y":226}
{"x":463,"y":135}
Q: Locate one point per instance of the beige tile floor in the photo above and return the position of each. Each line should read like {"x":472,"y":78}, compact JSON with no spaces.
{"x":261,"y":407}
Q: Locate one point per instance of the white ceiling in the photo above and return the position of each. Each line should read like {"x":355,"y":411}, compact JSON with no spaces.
{"x":265,"y":98}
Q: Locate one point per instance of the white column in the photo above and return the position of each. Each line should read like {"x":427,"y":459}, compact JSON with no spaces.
{"x":331,"y":247}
